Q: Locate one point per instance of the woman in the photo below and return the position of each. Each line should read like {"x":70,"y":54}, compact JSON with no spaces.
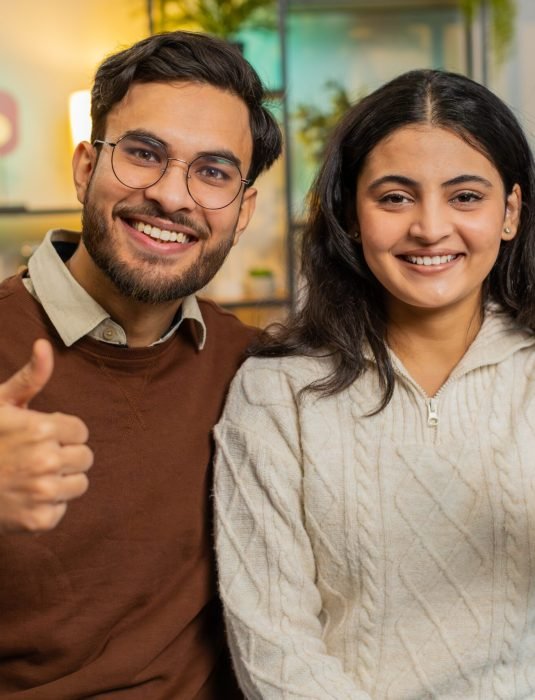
{"x":375,"y":484}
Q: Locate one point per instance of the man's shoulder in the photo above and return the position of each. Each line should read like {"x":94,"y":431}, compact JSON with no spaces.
{"x":227,"y":338}
{"x":223,"y":320}
{"x":15,"y":299}
{"x":11,"y":286}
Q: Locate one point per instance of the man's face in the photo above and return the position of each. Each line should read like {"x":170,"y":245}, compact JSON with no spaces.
{"x":121,"y":227}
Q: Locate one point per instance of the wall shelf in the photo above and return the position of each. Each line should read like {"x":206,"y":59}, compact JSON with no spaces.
{"x":23,"y":211}
{"x":254,"y":303}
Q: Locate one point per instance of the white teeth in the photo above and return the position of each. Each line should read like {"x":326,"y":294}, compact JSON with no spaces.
{"x":428,"y":260}
{"x":160,"y":234}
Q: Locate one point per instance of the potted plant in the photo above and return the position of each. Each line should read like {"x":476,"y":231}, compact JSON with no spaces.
{"x":503,"y":13}
{"x":224,"y":18}
{"x":260,"y":283}
{"x":316,"y":124}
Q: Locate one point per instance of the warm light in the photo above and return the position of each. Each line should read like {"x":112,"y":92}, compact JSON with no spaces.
{"x":80,"y":115}
{"x":8,"y":123}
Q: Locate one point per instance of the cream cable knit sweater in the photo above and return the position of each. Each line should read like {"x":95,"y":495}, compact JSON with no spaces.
{"x":382,"y":557}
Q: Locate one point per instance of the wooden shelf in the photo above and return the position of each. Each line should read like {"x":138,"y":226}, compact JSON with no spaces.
{"x":22,"y":211}
{"x":253,"y":303}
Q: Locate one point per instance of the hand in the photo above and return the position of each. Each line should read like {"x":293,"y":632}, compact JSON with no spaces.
{"x":43,"y":456}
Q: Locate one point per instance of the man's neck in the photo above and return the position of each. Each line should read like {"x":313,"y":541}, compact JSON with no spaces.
{"x":143,"y":323}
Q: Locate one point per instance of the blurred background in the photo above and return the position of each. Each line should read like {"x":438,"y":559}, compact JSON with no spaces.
{"x":315,"y":56}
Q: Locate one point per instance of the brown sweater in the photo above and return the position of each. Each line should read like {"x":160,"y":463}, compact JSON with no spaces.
{"x":119,"y":601}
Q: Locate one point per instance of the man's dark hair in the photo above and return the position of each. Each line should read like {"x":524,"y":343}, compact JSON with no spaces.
{"x":188,"y":57}
{"x":344,"y":311}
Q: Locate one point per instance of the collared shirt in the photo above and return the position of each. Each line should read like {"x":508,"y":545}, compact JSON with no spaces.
{"x":73,"y":312}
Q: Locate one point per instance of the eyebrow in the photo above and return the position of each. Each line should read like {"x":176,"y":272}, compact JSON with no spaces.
{"x":409,"y":182}
{"x":219,"y":153}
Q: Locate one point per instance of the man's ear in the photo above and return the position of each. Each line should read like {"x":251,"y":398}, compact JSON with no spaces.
{"x":83,"y":165}
{"x":248,"y":204}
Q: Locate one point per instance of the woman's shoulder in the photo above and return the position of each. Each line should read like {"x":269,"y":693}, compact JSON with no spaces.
{"x":278,"y":380}
{"x":297,"y":370}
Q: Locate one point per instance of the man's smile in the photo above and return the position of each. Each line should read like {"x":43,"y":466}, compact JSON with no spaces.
{"x":164,"y":235}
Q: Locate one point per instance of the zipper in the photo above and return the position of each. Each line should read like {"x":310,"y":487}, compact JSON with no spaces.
{"x":432,"y":412}
{"x":430,"y":402}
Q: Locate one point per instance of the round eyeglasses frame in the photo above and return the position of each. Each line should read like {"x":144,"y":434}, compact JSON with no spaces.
{"x":102,"y":142}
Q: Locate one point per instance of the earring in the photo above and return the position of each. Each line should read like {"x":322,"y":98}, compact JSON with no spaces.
{"x":356,"y":236}
{"x":507,"y":231}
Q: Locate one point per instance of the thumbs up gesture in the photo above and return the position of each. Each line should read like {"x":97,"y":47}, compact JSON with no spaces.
{"x":43,"y":456}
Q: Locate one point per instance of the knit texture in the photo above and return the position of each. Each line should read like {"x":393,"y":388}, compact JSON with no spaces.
{"x":120,"y":599}
{"x":380,"y":557}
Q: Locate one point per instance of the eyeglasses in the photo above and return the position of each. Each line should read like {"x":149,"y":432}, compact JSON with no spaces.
{"x":213,"y":182}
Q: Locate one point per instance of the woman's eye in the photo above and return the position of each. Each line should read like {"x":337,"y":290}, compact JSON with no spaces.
{"x":467,"y":197}
{"x":395,"y":198}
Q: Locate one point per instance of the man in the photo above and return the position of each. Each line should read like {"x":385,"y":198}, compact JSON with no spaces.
{"x":114,"y":597}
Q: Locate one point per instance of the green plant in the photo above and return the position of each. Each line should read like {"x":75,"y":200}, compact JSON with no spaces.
{"x":316,"y":124}
{"x":222,"y":18}
{"x":503,"y":13}
{"x":260,"y":272}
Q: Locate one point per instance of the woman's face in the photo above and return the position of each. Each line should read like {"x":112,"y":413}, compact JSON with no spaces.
{"x":432,"y":214}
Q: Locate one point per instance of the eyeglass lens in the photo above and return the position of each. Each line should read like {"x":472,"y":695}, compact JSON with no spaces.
{"x":212,"y":181}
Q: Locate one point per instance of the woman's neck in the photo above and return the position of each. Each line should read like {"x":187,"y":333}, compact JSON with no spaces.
{"x":431,"y":342}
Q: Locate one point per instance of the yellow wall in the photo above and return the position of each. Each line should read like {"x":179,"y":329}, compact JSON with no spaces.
{"x":48,"y":50}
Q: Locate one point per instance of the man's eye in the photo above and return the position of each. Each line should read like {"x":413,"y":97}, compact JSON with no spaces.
{"x":212,"y":173}
{"x":146,"y":155}
{"x":141,"y":153}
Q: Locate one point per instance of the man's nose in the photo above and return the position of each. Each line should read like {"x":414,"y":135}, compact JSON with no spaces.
{"x":171,"y":190}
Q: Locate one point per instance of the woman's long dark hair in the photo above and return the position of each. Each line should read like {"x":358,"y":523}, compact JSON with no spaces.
{"x":343,"y":310}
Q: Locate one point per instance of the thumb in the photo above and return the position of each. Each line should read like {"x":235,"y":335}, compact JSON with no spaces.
{"x":25,"y":384}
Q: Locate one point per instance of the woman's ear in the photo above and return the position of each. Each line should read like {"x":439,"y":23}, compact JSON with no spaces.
{"x":513,"y":206}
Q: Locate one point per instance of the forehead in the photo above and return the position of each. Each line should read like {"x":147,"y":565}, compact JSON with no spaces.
{"x":426,"y":151}
{"x":190,"y":117}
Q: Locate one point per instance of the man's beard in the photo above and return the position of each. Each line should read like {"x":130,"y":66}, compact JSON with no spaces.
{"x":135,"y":283}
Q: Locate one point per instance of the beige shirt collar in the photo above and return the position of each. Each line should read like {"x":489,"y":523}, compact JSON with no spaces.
{"x":73,"y":312}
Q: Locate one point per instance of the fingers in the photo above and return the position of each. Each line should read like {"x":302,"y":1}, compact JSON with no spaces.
{"x":43,"y":456}
{"x":44,"y":459}
{"x":34,"y":426}
{"x":76,"y":459}
{"x":54,"y":489}
{"x":67,"y":430}
{"x":36,"y":502}
{"x":41,"y":519}
{"x":25,"y":384}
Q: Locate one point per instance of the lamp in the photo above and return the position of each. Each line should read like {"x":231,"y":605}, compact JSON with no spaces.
{"x":9,"y":121}
{"x":80,"y":115}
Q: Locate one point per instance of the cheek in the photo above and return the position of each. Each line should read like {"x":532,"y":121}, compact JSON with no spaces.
{"x":378,"y":235}
{"x":222,"y":222}
{"x":484,"y":235}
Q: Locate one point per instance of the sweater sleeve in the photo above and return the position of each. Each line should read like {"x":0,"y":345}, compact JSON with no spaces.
{"x":266,"y":563}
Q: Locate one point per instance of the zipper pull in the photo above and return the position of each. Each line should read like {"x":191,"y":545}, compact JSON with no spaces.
{"x":432,"y":413}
